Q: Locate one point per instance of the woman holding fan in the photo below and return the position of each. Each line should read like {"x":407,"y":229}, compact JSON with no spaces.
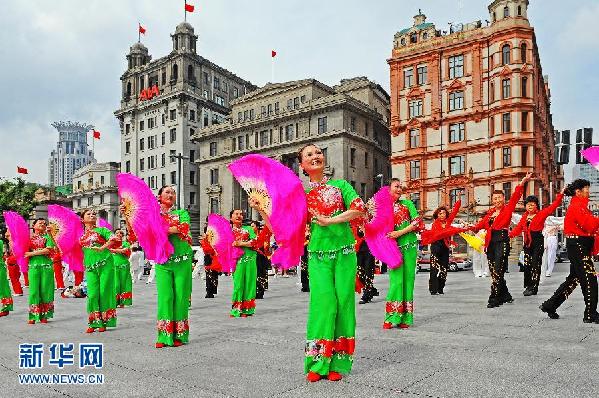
{"x":244,"y":276}
{"x":6,"y":301}
{"x":123,"y":280}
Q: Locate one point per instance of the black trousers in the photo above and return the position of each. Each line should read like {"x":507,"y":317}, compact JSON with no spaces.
{"x":262,"y":263}
{"x":533,"y":259}
{"x":366,"y":267}
{"x":304,"y":274}
{"x":439,"y":267}
{"x":582,"y":271}
{"x":498,"y":252}
{"x":211,"y":281}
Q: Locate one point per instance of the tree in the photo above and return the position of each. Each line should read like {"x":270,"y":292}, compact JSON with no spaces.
{"x":17,"y":195}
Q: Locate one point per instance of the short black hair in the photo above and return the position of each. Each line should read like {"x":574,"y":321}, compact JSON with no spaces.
{"x":531,"y":199}
{"x":576,"y":184}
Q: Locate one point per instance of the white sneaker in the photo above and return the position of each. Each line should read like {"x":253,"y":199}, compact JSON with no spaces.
{"x":547,"y":275}
{"x":485,"y":275}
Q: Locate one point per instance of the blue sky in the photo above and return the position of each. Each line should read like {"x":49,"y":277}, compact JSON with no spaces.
{"x":61,"y":60}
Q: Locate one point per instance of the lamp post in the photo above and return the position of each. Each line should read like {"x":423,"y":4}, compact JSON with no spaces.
{"x":179,"y":158}
{"x":379,"y":178}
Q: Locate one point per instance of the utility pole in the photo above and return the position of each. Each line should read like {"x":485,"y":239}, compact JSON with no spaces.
{"x":179,"y":158}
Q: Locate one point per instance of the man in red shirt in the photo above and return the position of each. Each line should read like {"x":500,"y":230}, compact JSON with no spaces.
{"x":497,"y":242}
{"x":581,"y":229}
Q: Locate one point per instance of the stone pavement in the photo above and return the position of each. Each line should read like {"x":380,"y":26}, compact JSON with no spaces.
{"x":457,"y":347}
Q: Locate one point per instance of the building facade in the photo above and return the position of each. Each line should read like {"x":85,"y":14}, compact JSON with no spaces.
{"x":94,"y":187}
{"x":72,"y":152}
{"x":165,"y":102}
{"x":349,"y":121}
{"x":470,"y":109}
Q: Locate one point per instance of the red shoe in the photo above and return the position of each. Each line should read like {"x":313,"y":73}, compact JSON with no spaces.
{"x":101,"y":330}
{"x":403,"y":326}
{"x":313,"y":377}
{"x":387,"y":325}
{"x":334,"y":376}
{"x":121,"y":306}
{"x":31,"y":322}
{"x":244,"y":315}
{"x":89,"y":330}
{"x":44,"y":321}
{"x":177,"y":343}
{"x":159,"y":345}
{"x":3,"y":313}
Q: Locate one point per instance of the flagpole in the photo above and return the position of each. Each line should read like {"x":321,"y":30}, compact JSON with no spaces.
{"x":138,"y":32}
{"x":185,"y":11}
{"x":272,"y":70}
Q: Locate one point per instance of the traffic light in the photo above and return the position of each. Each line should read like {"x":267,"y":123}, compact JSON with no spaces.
{"x":562,"y":147}
{"x":584,"y":140}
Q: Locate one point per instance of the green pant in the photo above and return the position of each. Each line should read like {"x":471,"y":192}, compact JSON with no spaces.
{"x":400,"y":299}
{"x":41,"y":288}
{"x":331,"y":325}
{"x":123,"y":284}
{"x":173,"y":282}
{"x":244,"y":286}
{"x":101,"y":301}
{"x":5,"y":295}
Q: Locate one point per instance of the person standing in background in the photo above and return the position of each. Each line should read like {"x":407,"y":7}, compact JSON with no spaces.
{"x":551,"y":247}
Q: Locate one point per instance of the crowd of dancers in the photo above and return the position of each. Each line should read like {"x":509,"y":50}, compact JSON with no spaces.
{"x":336,"y":262}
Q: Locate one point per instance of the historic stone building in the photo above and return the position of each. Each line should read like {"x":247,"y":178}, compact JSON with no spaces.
{"x":94,"y":187}
{"x":471,"y":109}
{"x":349,"y":121}
{"x":72,"y":152}
{"x":164,"y":102}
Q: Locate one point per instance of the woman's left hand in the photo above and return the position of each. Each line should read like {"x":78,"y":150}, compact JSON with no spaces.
{"x":323,"y":221}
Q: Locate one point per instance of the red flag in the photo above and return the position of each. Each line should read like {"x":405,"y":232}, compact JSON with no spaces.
{"x":273,"y":53}
{"x":142,"y":30}
{"x":189,"y":7}
{"x":22,"y":170}
{"x":96,"y":134}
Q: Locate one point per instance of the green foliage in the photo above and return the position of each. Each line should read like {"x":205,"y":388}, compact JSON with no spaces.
{"x":17,"y":195}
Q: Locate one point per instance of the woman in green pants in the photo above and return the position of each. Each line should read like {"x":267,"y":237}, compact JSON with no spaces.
{"x":332,"y":267}
{"x":99,"y":273}
{"x":41,"y":273}
{"x":400,"y":299}
{"x":5,"y":295}
{"x":123,"y":282}
{"x":244,"y":277}
{"x":173,"y":278}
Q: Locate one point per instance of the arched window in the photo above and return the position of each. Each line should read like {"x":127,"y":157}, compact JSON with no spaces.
{"x":128,"y":89}
{"x":519,"y":11}
{"x":505,"y":54}
{"x":425,"y":36}
{"x":175,"y":72}
{"x":141,"y":82}
{"x":403,"y":41}
{"x":506,"y":12}
{"x":176,"y":42}
{"x":190,"y":72}
{"x":414,"y":38}
{"x":523,"y":49}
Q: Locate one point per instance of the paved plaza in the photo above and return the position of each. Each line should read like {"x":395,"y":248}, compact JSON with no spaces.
{"x":456,"y":348}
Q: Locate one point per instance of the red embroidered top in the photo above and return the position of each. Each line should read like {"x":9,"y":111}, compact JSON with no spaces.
{"x":579,"y":219}
{"x":173,"y":220}
{"x":442,"y":230}
{"x":262,"y":242}
{"x":38,"y":241}
{"x":209,"y":251}
{"x":537,"y":222}
{"x":92,"y":238}
{"x":503,"y":219}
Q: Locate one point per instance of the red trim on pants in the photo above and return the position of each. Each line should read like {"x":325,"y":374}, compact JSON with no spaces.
{"x":78,"y":277}
{"x":58,"y":275}
{"x":15,"y":274}
{"x":26,"y":277}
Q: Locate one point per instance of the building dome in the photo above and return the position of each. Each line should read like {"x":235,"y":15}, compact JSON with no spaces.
{"x":138,"y":48}
{"x":184,"y":27}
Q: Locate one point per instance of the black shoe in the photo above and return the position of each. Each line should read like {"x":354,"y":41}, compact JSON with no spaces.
{"x":208,"y":295}
{"x":305,"y":289}
{"x":493,"y":305}
{"x":365,"y":300}
{"x":508,"y":300}
{"x":433,"y":293}
{"x":375,"y":292}
{"x":551,"y":314}
{"x":440,"y":292}
{"x":259,"y":296}
{"x":527,"y":292}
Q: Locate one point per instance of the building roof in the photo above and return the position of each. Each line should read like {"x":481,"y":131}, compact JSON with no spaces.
{"x":273,"y":88}
{"x":421,"y":26}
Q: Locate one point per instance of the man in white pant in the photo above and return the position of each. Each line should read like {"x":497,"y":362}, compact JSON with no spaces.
{"x":137,"y":263}
{"x":480,"y":263}
{"x":551,"y":247}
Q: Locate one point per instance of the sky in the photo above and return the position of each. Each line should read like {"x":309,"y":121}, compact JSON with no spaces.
{"x":62,"y":59}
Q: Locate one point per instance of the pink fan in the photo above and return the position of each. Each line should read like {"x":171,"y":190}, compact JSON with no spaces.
{"x":142,"y":212}
{"x":380,"y":208}
{"x":102,"y":223}
{"x":221,"y":238}
{"x":283,"y":199}
{"x":66,"y":228}
{"x":19,"y":237}
{"x":592,"y":155}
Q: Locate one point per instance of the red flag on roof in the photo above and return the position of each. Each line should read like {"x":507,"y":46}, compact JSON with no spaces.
{"x":142,"y":30}
{"x":189,"y":7}
{"x":273,"y":53}
{"x":96,"y":134}
{"x":22,"y":170}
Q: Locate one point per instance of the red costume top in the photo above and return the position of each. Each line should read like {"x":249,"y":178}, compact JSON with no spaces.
{"x":262,"y":240}
{"x":209,"y":251}
{"x":442,"y":230}
{"x":503,"y":219}
{"x":182,"y":227}
{"x":579,"y":219}
{"x":537,"y":223}
{"x":39,"y":241}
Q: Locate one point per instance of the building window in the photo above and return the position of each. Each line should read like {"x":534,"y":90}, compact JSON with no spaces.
{"x":269,"y":109}
{"x":192,"y":198}
{"x":289,"y":104}
{"x":192,"y":177}
{"x":524,"y":159}
{"x":492,"y":126}
{"x":415,"y":198}
{"x":414,"y":38}
{"x":363,"y":190}
{"x":414,"y":138}
{"x":415,"y":108}
{"x":163,"y":180}
{"x":127,"y":128}
{"x":507,"y":156}
{"x":213,"y":148}
{"x":216,"y":83}
{"x":276,"y":108}
{"x":241,"y":143}
{"x":415,"y":169}
{"x":352,"y":157}
{"x":523,"y":49}
{"x":456,"y":66}
{"x":506,"y":122}
{"x":455,"y":195}
{"x":507,"y":190}
{"x":173,"y":135}
{"x":173,"y":114}
{"x":289,"y":132}
{"x":322,"y":125}
{"x":163,"y":160}
{"x":264,"y":138}
{"x":366,"y":131}
{"x":456,"y":132}
{"x":90,"y":201}
{"x":506,"y":12}
{"x":141,"y":144}
{"x":192,"y":115}
{"x":141,"y":164}
{"x":163,"y":138}
{"x":408,"y":77}
{"x":213,"y":176}
{"x":456,"y":100}
{"x":296,"y":103}
{"x":352,"y":124}
{"x":422,"y":75}
{"x":214,"y":205}
{"x":505,"y":54}
{"x":365,"y":160}
{"x":519,"y":11}
{"x":141,"y":125}
{"x":524,"y":122}
{"x":457,"y":165}
{"x":173,"y":177}
{"x":127,"y":147}
{"x":492,"y":92}
{"x":128,"y":166}
{"x":506,"y":90}
{"x":172,"y":154}
{"x":524,"y":87}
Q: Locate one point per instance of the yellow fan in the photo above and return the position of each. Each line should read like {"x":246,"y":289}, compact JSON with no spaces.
{"x":474,"y":241}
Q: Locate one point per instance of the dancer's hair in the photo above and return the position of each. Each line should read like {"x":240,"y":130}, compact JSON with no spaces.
{"x":531,"y":199}
{"x":81,"y":213}
{"x":300,"y":155}
{"x":498,"y":192}
{"x":576,"y":184}
{"x":38,"y":219}
{"x":439,"y":210}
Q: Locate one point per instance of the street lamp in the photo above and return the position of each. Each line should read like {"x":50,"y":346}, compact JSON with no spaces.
{"x":179,"y":158}
{"x":379,"y":177}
